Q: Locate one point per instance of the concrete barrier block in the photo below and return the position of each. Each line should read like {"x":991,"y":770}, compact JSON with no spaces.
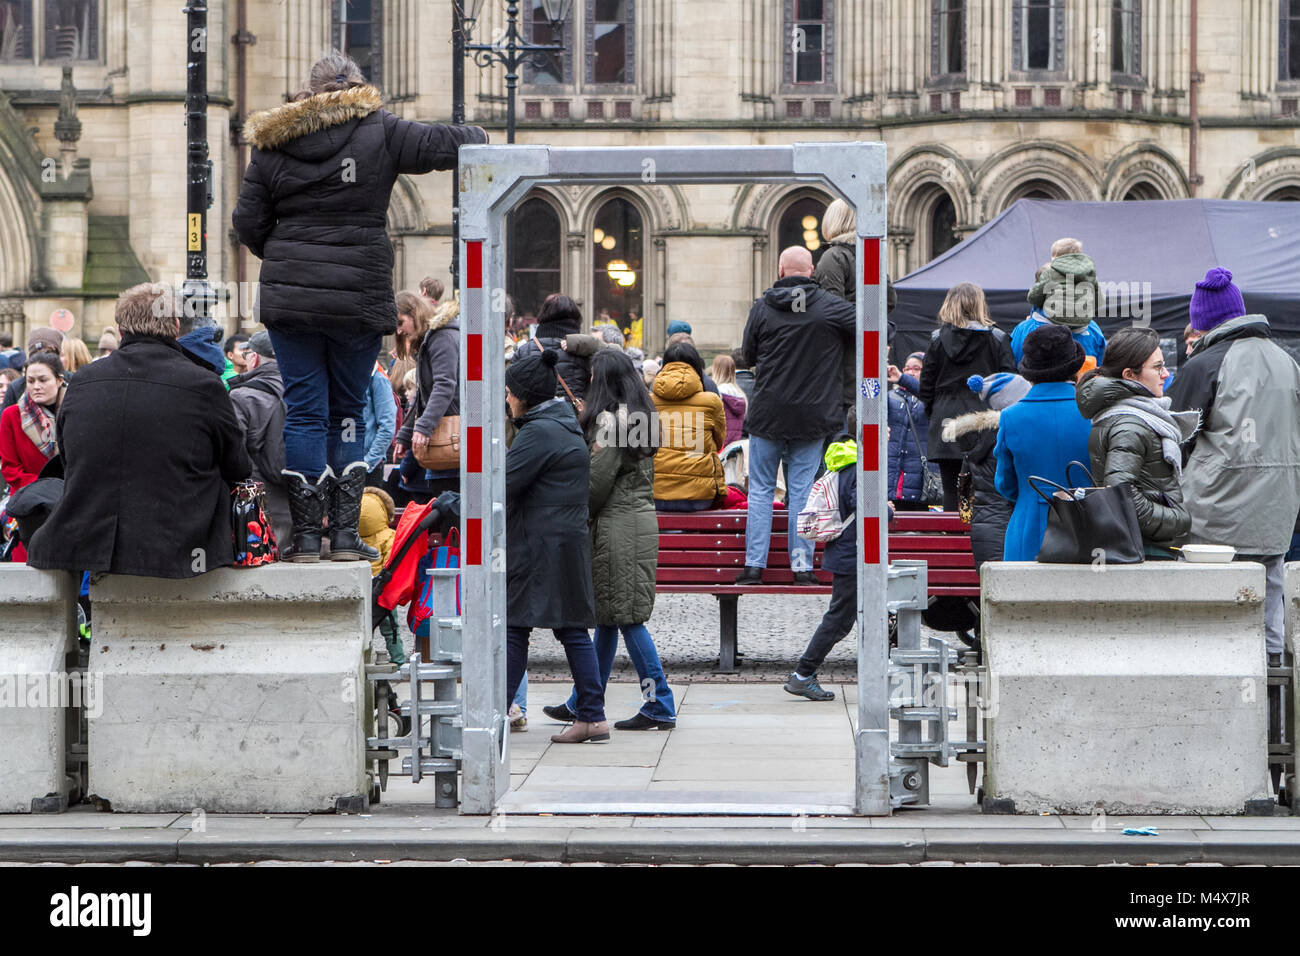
{"x":1136,"y":689}
{"x":1291,"y":594}
{"x":38,"y":628}
{"x":240,"y":690}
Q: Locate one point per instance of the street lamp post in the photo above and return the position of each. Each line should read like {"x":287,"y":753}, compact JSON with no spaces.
{"x":511,"y":50}
{"x":196,"y":294}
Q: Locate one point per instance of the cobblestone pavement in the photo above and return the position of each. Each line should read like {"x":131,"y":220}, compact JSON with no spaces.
{"x":773,"y":629}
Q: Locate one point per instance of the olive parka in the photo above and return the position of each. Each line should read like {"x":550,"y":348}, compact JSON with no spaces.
{"x":624,"y":529}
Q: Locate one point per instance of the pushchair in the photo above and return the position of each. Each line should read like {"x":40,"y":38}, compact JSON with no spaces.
{"x":398,"y":583}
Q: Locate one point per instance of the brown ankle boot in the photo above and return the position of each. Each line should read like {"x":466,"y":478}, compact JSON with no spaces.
{"x":581,"y":731}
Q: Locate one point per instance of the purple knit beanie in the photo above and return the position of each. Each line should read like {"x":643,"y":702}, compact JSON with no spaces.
{"x":1216,"y":300}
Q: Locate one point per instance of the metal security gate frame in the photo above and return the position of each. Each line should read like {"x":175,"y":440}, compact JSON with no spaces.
{"x":493,"y":179}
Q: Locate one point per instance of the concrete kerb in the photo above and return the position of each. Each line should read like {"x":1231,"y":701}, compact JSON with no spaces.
{"x":738,"y":845}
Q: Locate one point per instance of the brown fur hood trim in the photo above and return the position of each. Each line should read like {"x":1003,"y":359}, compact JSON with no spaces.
{"x":271,"y":129}
{"x":981,"y":421}
{"x":444,"y":314}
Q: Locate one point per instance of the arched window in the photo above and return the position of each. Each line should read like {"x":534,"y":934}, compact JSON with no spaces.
{"x":943,"y":217}
{"x":1141,"y":192}
{"x":1036,"y":189}
{"x":1285,"y":194}
{"x":533,"y":243}
{"x":800,"y":225}
{"x":618,"y":260}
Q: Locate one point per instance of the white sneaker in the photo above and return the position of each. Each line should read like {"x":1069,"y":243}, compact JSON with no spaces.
{"x":518,"y":721}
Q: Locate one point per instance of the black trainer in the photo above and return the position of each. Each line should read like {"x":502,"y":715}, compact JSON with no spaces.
{"x":561,"y":713}
{"x":808,"y":687}
{"x":805,"y":577}
{"x":750,"y":576}
{"x":640,"y":721}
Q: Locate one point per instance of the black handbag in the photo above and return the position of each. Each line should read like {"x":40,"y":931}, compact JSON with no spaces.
{"x":1089,"y":525}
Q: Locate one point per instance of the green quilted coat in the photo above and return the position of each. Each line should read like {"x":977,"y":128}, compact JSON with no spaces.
{"x":624,"y":535}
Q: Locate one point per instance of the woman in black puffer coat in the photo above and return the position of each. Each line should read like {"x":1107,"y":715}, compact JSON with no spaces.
{"x":313,"y":207}
{"x":965,"y":344}
{"x":558,"y":318}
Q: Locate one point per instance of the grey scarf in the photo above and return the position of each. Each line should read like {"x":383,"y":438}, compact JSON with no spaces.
{"x":1173,"y":428}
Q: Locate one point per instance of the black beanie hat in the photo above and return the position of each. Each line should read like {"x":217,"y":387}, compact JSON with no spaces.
{"x":1051,"y":355}
{"x":532,"y":378}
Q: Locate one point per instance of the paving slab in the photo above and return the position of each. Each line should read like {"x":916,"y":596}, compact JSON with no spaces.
{"x":84,"y":818}
{"x":1238,"y":847}
{"x":697,"y":768}
{"x":214,"y":821}
{"x":588,"y":778}
{"x":1281,"y":824}
{"x":1115,"y":824}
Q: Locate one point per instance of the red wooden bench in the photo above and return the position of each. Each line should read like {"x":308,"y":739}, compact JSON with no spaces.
{"x":702,"y":553}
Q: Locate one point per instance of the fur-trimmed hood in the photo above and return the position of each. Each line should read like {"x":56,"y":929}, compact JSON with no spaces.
{"x":984,"y":420}
{"x":444,"y":314}
{"x":274,"y":128}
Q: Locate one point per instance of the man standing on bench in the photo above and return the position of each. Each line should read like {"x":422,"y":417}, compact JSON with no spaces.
{"x":794,"y":340}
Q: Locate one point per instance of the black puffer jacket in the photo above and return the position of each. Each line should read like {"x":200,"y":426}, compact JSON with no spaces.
{"x":954,"y":355}
{"x":574,"y":364}
{"x":1123,"y":448}
{"x":314,"y":207}
{"x":975,"y":434}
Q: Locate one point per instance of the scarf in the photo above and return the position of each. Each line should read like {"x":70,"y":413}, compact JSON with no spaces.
{"x":38,"y":425}
{"x":1173,"y":428}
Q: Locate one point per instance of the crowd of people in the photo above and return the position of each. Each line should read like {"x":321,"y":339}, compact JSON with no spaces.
{"x":145,"y":440}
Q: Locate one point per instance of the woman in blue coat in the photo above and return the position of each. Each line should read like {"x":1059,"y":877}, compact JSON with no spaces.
{"x":907,"y":441}
{"x":1039,"y":436}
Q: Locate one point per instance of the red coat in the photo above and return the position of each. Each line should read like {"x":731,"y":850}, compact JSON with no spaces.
{"x":20,"y":460}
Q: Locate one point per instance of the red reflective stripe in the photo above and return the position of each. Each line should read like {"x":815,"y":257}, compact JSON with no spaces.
{"x":474,"y":358}
{"x":870,"y":447}
{"x":871,"y":540}
{"x":871,"y":355}
{"x":474,"y":264}
{"x":871,"y":261}
{"x":474,"y":449}
{"x":474,"y":541}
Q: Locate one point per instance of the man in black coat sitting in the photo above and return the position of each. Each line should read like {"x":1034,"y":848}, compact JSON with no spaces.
{"x":150,"y":445}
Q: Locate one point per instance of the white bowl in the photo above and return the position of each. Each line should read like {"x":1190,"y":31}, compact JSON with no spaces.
{"x":1208,"y":553}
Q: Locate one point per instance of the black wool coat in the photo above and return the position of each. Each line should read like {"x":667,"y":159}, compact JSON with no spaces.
{"x":954,"y":355}
{"x":548,"y":548}
{"x":795,"y":339}
{"x":314,"y":207}
{"x":150,"y":445}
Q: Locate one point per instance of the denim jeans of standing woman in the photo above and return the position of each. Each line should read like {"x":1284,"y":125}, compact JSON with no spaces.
{"x":659,"y":703}
{"x":582,"y":663}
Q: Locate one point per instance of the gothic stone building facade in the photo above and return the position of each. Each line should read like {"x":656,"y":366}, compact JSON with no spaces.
{"x":981,"y":102}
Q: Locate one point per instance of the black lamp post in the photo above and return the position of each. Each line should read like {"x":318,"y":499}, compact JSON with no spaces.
{"x":510,"y":50}
{"x":197,"y":295}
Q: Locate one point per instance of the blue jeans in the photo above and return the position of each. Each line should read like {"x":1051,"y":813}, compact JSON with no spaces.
{"x":521,"y":695}
{"x":673,"y":505}
{"x":641,"y":648}
{"x":326,"y":381}
{"x":801,"y":460}
{"x":582,"y":664}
